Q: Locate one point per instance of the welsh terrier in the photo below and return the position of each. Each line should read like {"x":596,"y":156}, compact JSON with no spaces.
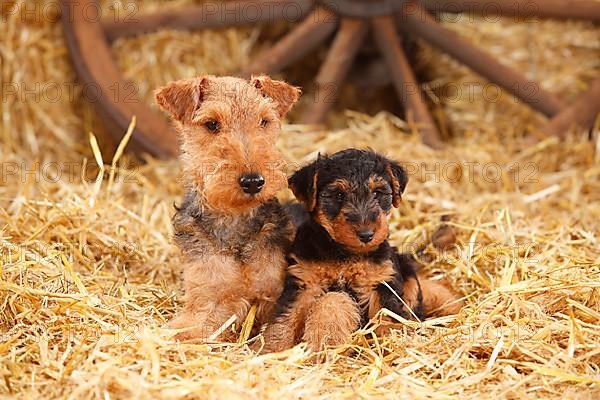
{"x":232,"y":231}
{"x":345,"y":270}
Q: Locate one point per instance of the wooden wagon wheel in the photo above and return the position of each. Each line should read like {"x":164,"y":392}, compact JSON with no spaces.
{"x":88,"y":40}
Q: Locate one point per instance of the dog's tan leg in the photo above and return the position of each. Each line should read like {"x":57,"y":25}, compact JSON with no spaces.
{"x":281,"y":334}
{"x":186,"y":319}
{"x":438,"y":300}
{"x":331,"y":320}
{"x":205,"y":322}
{"x":211,"y":298}
{"x":287,"y":329}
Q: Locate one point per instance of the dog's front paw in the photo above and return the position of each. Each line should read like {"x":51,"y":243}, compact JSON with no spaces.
{"x":331,"y":320}
{"x":190,"y":326}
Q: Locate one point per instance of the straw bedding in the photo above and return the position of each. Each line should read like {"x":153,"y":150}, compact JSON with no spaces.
{"x":89,"y":275}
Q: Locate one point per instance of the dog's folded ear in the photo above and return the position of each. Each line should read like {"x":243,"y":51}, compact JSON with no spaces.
{"x":304,"y":185}
{"x":182,"y":98}
{"x":398,"y":179}
{"x":284,"y":94}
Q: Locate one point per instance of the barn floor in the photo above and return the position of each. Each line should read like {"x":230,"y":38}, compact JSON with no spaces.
{"x":89,"y":275}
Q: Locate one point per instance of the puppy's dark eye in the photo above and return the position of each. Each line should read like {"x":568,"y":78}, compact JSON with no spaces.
{"x":380,"y":194}
{"x":340,"y":196}
{"x":212,"y":126}
{"x":264,"y":122}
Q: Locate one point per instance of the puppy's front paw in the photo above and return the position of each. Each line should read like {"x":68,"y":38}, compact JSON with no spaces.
{"x":331,"y":320}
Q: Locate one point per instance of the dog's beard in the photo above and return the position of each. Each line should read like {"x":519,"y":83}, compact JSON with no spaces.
{"x":344,"y":233}
{"x":221,"y":190}
{"x":217,"y":168}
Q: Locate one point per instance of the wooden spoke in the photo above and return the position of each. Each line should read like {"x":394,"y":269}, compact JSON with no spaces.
{"x":346,"y":44}
{"x":559,"y":9}
{"x":317,"y":26}
{"x":582,"y":112}
{"x":207,"y":15}
{"x":404,"y":79}
{"x":424,"y":25}
{"x":115,"y":98}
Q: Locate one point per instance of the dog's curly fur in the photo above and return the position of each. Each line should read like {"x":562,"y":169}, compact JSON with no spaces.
{"x":345,"y":271}
{"x":234,"y":242}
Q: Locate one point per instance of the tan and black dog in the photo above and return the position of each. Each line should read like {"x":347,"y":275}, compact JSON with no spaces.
{"x":232,"y":230}
{"x":345,"y":270}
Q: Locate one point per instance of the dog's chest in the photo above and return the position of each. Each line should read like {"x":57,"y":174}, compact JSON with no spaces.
{"x":361,"y":276}
{"x":238,"y":237}
{"x":249,"y":249}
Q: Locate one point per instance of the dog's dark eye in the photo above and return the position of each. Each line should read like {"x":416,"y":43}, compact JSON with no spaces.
{"x":212,"y":126}
{"x":264,"y":122}
{"x":379,"y":194}
{"x":340,"y":196}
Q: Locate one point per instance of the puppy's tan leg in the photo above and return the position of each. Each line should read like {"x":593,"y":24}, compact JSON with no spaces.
{"x":331,"y":320}
{"x":438,"y":300}
{"x":287,"y":329}
{"x":409,"y":307}
{"x":411,"y":296}
{"x":385,"y":323}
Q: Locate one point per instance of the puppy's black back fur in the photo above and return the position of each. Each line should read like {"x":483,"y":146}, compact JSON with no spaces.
{"x":296,"y":213}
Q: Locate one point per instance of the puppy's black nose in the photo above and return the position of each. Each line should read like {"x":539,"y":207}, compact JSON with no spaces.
{"x":366,"y":236}
{"x":252,"y":183}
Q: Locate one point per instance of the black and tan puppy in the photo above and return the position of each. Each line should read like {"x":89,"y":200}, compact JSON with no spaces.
{"x":344,"y":270}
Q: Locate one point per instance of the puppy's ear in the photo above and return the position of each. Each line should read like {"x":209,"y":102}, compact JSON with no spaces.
{"x":284,"y":94}
{"x":304,"y":185}
{"x":399,"y":179}
{"x":181,"y":99}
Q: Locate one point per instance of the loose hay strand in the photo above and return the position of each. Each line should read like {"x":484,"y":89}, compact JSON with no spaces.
{"x":120,"y":151}
{"x":247,"y":326}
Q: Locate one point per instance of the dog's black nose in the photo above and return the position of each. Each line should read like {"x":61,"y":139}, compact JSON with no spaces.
{"x":252,"y":183}
{"x":366,"y":236}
